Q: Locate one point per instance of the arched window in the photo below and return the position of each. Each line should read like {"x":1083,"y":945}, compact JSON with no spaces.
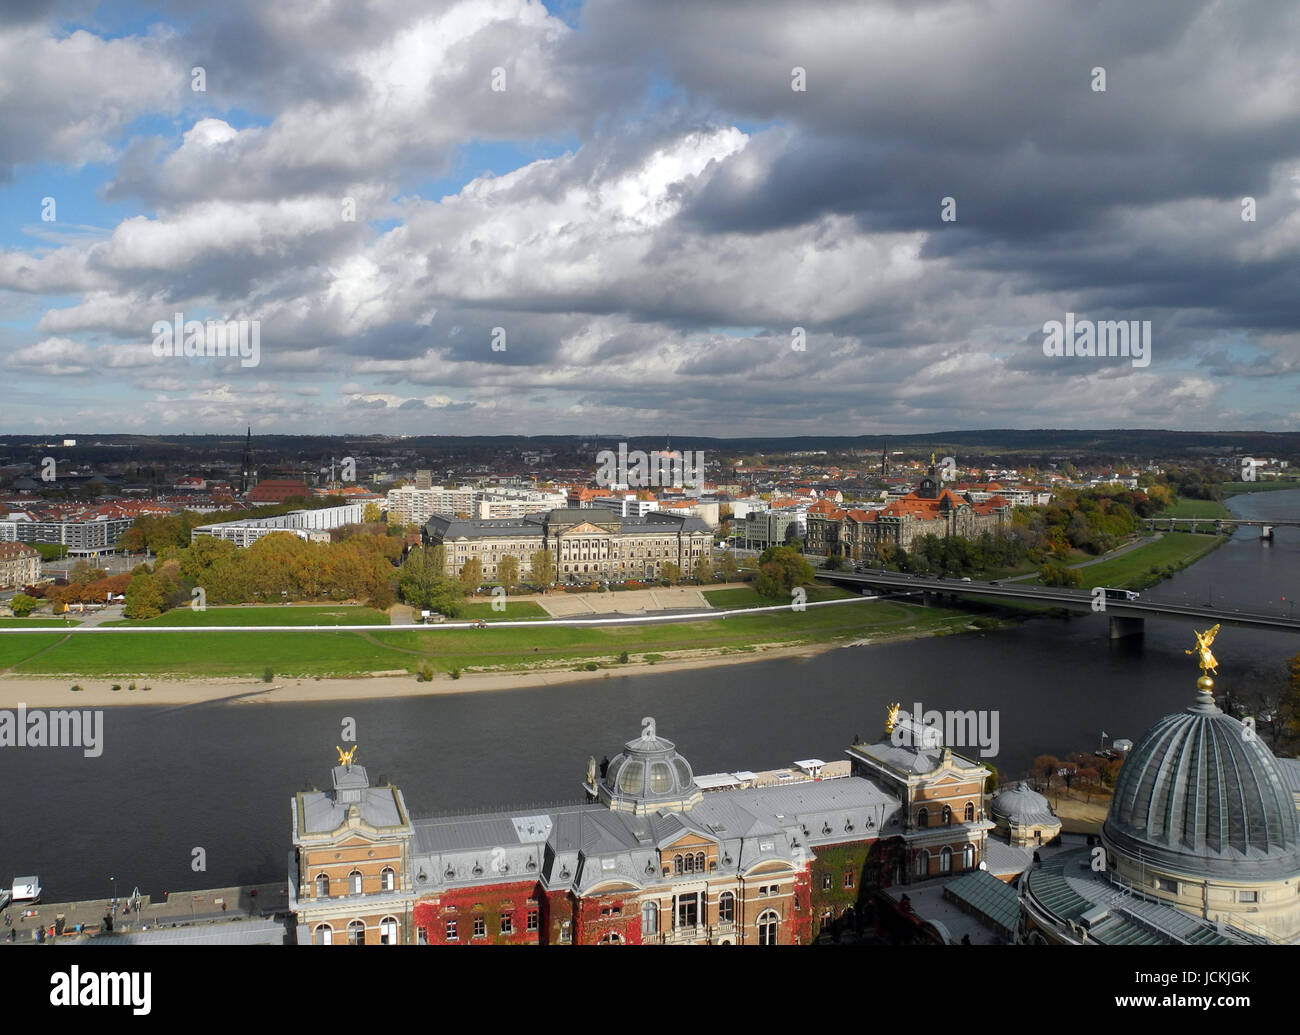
{"x":945,"y":860}
{"x":726,"y":908}
{"x":388,"y":931}
{"x":354,"y":879}
{"x":947,"y":815}
{"x":388,"y":879}
{"x":922,"y":817}
{"x":970,"y":812}
{"x":323,"y":886}
{"x":613,"y":938}
{"x":923,"y":863}
{"x":649,"y":918}
{"x":689,"y":863}
{"x":677,"y":864}
{"x":968,"y":857}
{"x":357,"y":932}
{"x":767,"y":925}
{"x":323,"y":935}
{"x":699,"y":862}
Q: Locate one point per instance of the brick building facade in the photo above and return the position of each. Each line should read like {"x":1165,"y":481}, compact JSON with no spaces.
{"x":930,"y":510}
{"x":651,"y":856}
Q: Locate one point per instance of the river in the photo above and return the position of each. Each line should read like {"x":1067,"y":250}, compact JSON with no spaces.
{"x":221,"y":777}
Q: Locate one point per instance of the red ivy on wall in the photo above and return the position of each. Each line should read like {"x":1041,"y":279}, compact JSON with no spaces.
{"x":493,"y":899}
{"x":590,"y":926}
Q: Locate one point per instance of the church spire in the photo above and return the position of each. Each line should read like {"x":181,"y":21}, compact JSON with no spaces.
{"x":246,"y":467}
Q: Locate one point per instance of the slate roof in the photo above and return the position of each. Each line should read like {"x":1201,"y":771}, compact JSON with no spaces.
{"x":1023,"y":806}
{"x":1067,"y":887}
{"x":584,"y":844}
{"x":1198,"y":795}
{"x":984,"y":895}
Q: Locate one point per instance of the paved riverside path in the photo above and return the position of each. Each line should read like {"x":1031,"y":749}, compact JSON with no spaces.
{"x":179,"y":908}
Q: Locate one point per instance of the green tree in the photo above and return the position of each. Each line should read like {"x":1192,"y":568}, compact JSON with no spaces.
{"x":420,"y":575}
{"x":670,"y":573}
{"x":543,"y":564}
{"x":371,"y":512}
{"x":728,"y":567}
{"x":780,"y":569}
{"x":834,"y":561}
{"x":22,"y":605}
{"x":703,"y":569}
{"x":144,"y":597}
{"x":508,"y":572}
{"x":1059,"y":575}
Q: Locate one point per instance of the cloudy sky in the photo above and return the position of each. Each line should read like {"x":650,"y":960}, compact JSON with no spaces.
{"x":720,"y":217}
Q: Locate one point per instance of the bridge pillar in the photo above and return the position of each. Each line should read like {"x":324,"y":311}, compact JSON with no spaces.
{"x":1266,"y":532}
{"x":1121,"y":627}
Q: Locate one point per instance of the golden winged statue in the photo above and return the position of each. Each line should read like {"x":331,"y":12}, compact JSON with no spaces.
{"x":346,"y":757}
{"x":891,"y":716}
{"x":1203,"y":641}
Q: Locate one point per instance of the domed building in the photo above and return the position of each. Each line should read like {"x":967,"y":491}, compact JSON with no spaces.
{"x":1203,"y":819}
{"x":1024,"y":817}
{"x":649,"y":775}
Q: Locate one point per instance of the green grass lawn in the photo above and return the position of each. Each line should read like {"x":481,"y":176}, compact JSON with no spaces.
{"x":1133,"y":570}
{"x":1266,"y":485}
{"x":326,"y":614}
{"x":1188,"y":508}
{"x":325,"y":653}
{"x":736,"y":598}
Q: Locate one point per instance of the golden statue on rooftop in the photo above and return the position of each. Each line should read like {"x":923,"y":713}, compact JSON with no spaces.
{"x":346,"y":757}
{"x":891,"y":716}
{"x":1207,"y":659}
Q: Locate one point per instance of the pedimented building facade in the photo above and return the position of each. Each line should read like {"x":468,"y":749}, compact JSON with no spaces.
{"x":586,"y":544}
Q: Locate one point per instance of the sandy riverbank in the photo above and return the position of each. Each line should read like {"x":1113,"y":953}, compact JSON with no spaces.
{"x":55,"y":693}
{"x":96,"y":692}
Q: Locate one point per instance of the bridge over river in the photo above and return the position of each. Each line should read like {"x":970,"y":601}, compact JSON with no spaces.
{"x":1221,"y":525}
{"x":1126,"y":616}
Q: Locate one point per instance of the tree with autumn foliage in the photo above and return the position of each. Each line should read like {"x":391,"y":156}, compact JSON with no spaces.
{"x":1046,"y":766}
{"x":471,"y":574}
{"x":543,"y":566}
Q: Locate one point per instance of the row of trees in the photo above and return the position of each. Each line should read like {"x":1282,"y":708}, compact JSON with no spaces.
{"x":937,"y":555}
{"x":157,"y":532}
{"x":1090,"y":773}
{"x":276,"y":567}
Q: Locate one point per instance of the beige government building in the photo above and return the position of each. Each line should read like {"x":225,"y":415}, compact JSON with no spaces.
{"x":587,"y":545}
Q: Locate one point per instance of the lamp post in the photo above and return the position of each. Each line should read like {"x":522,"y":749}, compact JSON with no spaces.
{"x":114,"y":903}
